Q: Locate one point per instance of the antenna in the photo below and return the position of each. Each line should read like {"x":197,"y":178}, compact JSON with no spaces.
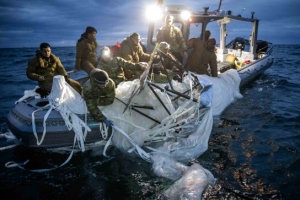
{"x":219,"y":5}
{"x":242,"y":11}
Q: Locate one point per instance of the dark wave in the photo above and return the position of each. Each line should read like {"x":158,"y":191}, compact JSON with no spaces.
{"x":25,"y":61}
{"x":29,"y":55}
{"x":12,"y":55}
{"x":295,"y":54}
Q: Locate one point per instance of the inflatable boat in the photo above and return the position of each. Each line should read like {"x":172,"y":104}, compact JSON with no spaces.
{"x":248,"y":58}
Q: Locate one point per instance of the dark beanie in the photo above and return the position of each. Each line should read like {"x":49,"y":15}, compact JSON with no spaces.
{"x":207,"y":34}
{"x":90,"y":29}
{"x":44,"y":45}
{"x":101,"y":77}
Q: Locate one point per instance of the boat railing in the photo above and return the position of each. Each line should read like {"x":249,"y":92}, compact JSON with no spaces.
{"x":270,"y":48}
{"x":70,"y":72}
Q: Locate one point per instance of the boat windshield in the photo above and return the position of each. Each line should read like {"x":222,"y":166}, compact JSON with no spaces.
{"x":195,"y":30}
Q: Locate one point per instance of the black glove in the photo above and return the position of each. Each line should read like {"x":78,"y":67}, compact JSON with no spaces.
{"x":67,"y":79}
{"x":42,"y":92}
{"x":178,"y":78}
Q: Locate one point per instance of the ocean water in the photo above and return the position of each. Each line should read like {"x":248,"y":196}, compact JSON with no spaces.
{"x":253,"y":149}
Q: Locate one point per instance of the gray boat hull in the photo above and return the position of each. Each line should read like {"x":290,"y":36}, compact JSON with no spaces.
{"x":19,"y":122}
{"x":255,"y":69}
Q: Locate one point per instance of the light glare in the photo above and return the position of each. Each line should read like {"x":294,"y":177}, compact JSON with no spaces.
{"x":105,"y":53}
{"x":185,"y":14}
{"x":153,"y":13}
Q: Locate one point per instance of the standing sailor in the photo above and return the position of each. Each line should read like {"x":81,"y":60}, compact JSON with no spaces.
{"x":202,"y":56}
{"x":86,"y":51}
{"x":173,"y":36}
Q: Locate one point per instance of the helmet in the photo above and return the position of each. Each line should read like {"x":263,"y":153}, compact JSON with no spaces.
{"x":164,"y":45}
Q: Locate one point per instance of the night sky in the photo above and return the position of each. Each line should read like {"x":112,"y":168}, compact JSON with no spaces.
{"x":27,"y":23}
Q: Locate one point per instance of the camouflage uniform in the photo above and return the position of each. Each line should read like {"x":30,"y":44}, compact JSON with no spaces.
{"x":174,"y":38}
{"x":200,"y":58}
{"x":115,"y":68}
{"x":48,"y":67}
{"x":161,"y":78}
{"x":86,"y":54}
{"x":168,"y":64}
{"x":133,"y":53}
{"x":95,"y":96}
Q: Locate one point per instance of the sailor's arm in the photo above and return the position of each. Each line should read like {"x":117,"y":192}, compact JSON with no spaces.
{"x":159,"y":36}
{"x":143,"y":57}
{"x":31,"y":70}
{"x":91,"y":103}
{"x":109,"y":98}
{"x":163,"y":78}
{"x":180,"y":40}
{"x":126,"y":53}
{"x":60,"y":68}
{"x":129,"y":65}
{"x":213,"y":66}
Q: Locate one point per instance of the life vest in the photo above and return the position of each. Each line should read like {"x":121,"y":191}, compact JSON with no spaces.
{"x":114,"y":49}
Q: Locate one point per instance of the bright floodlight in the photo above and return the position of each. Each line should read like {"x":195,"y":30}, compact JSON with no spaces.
{"x":154,"y":13}
{"x":185,"y":14}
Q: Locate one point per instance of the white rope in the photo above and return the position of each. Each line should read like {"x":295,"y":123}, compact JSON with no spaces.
{"x":191,"y":85}
{"x":72,"y":121}
{"x":103,"y":130}
{"x":44,"y":124}
{"x":29,"y":93}
{"x":76,"y":124}
{"x":12,"y":164}
{"x":107,"y":144}
{"x":139,"y":150}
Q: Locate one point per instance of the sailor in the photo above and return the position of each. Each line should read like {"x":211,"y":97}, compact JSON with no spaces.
{"x":164,"y":47}
{"x":202,"y":56}
{"x":115,"y":66}
{"x":131,"y":50}
{"x":99,"y":90}
{"x":173,"y":36}
{"x":159,"y":77}
{"x":207,"y":34}
{"x":164,"y":66}
{"x":86,"y":51}
{"x":44,"y":66}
